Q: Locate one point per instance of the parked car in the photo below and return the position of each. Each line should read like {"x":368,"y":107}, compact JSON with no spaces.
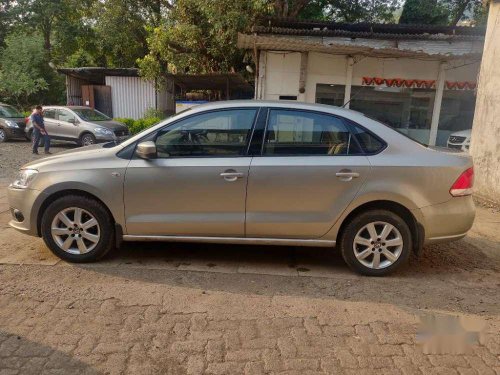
{"x":252,"y":172}
{"x":82,"y":125}
{"x":460,"y":140}
{"x":12,"y":123}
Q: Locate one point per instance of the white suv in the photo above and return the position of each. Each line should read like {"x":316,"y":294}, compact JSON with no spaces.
{"x":460,"y":140}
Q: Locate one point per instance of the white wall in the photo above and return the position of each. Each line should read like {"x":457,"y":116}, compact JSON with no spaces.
{"x":282,"y":70}
{"x":485,"y":143}
{"x":131,"y":96}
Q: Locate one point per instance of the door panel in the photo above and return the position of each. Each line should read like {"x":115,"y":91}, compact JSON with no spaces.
{"x":310,"y":169}
{"x":186,"y":196}
{"x":300,"y":197}
{"x":197,"y":184}
{"x":50,"y":121}
{"x":67,"y":129}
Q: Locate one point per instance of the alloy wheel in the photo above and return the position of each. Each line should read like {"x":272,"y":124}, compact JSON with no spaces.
{"x":378,"y":245}
{"x":75,"y":230}
{"x":3,"y":136}
{"x":87,"y":140}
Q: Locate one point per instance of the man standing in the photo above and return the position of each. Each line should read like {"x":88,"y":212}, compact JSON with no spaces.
{"x":39,"y":130}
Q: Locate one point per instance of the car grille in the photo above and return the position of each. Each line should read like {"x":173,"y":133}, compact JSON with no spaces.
{"x":458,"y":147}
{"x":456,"y":139}
{"x":121,"y":133}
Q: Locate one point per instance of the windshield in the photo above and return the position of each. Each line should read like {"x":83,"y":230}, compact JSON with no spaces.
{"x":89,"y":114}
{"x":6,"y":111}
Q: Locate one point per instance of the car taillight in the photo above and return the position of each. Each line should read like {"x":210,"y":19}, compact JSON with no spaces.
{"x":463,"y":184}
{"x":26,"y":119}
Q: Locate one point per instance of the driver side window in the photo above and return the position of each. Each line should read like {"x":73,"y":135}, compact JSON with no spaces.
{"x":65,"y":115}
{"x":213,"y":134}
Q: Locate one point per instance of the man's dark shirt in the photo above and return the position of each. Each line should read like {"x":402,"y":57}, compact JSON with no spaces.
{"x":38,"y":119}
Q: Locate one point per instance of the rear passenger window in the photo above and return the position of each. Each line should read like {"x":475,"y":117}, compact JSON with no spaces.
{"x":368,"y":142}
{"x":306,"y":133}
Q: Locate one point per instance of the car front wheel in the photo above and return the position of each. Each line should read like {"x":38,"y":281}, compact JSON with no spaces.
{"x":3,"y":135}
{"x":376,"y":243}
{"x":87,"y":139}
{"x":77,"y":229}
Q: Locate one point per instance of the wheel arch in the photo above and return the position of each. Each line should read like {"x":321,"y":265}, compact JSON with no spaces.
{"x":416,"y":229}
{"x":62,"y":193}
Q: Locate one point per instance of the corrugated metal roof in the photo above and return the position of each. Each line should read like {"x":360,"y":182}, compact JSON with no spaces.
{"x":431,"y":50}
{"x":368,"y":30}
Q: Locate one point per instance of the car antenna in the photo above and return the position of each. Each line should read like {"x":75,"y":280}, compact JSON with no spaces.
{"x":353,"y":96}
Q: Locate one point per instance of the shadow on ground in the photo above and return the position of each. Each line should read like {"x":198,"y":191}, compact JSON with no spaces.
{"x":19,"y":355}
{"x":456,"y":277}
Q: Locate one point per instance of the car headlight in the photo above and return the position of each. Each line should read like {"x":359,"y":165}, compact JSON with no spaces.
{"x":11,"y":124}
{"x":24,"y":178}
{"x":103,"y":131}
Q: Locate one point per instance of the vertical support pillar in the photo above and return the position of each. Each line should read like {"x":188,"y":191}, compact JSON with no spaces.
{"x":348,"y":81}
{"x":304,"y":57}
{"x":436,"y":112}
{"x":262,"y":75}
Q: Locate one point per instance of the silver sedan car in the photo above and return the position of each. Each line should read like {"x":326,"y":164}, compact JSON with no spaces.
{"x":252,"y":172}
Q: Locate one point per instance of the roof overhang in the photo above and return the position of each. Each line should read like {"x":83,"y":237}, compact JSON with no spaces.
{"x":427,"y":50}
{"x":208,"y":81}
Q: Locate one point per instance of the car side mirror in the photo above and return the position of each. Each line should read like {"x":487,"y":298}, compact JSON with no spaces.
{"x":73,"y":121}
{"x":146,"y":150}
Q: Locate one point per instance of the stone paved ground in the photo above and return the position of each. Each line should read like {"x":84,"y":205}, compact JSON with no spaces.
{"x":211,"y":309}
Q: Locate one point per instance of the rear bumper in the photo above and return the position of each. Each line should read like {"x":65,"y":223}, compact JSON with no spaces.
{"x":449,"y":221}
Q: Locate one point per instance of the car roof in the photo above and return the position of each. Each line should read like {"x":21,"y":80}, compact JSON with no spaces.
{"x":65,"y":106}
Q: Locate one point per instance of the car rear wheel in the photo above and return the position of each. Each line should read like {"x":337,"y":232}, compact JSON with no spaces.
{"x":3,"y":135}
{"x":376,"y":243}
{"x":77,"y":229}
{"x":87,"y":139}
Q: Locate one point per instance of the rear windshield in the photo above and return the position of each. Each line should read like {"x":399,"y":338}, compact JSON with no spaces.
{"x":89,"y":114}
{"x":7,"y":111}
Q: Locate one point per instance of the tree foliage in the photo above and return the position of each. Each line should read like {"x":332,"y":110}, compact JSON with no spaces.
{"x":160,"y":36}
{"x":24,"y":70}
{"x":442,"y":12}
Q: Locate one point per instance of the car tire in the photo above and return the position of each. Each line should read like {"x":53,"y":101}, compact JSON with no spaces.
{"x":3,"y":135}
{"x":87,"y":139}
{"x":89,"y":238}
{"x":365,"y":240}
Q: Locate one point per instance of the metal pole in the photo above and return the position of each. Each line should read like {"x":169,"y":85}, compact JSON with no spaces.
{"x":348,"y":81}
{"x":436,"y":112}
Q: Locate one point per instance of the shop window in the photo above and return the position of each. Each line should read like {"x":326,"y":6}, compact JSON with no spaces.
{"x":330,"y":94}
{"x":457,"y":114}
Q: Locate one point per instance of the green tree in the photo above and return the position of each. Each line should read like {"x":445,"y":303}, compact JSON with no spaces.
{"x":442,"y":12}
{"x":200,"y":37}
{"x":24,"y":66}
{"x":352,"y":11}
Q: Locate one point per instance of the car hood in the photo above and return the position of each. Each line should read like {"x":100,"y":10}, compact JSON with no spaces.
{"x":80,"y":153}
{"x":113,"y":125}
{"x":17,"y":120}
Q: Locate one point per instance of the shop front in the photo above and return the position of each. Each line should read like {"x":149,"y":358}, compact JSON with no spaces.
{"x":420,"y":82}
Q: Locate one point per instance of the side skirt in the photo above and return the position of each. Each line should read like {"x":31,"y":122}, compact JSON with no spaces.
{"x":234,"y":240}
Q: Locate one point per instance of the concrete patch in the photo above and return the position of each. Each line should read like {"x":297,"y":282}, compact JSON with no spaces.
{"x":17,"y":248}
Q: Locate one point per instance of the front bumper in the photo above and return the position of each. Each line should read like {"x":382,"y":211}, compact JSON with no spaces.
{"x":28,"y":202}
{"x":448,"y":221}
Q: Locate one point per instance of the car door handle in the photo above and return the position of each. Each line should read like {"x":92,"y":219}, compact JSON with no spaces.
{"x":347,"y":175}
{"x":231,"y":175}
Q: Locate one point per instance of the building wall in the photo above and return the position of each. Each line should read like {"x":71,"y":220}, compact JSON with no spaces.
{"x":485,"y":143}
{"x":131,"y":96}
{"x":282,"y":69}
